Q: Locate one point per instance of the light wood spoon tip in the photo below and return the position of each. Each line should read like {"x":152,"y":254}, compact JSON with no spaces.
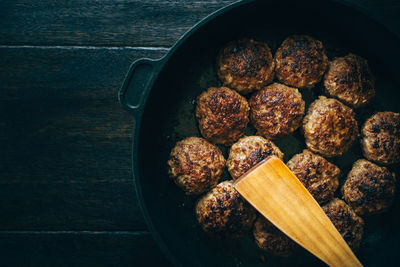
{"x":279,"y":196}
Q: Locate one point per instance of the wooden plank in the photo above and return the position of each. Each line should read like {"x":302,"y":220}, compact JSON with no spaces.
{"x":65,"y":141}
{"x":100,"y":23}
{"x":124,"y":22}
{"x":79,"y":249}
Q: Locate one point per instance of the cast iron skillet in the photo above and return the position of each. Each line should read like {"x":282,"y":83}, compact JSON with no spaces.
{"x":161,"y":94}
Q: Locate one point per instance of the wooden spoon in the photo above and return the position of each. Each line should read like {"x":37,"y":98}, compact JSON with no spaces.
{"x":277,"y":194}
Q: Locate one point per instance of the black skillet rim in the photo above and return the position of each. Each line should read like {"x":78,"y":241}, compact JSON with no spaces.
{"x":161,"y":62}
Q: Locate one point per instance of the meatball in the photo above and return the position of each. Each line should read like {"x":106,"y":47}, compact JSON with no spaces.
{"x":271,"y":239}
{"x":222,"y":114}
{"x":247,"y":152}
{"x":195,"y":165}
{"x":319,"y":176}
{"x":349,"y":79}
{"x":245,"y":65}
{"x":346,"y":221}
{"x":277,"y":110}
{"x":300,"y":61}
{"x":381,"y":138}
{"x":369,"y":188}
{"x":329,"y":127}
{"x":223,"y":213}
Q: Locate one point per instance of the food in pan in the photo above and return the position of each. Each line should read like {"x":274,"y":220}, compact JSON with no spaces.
{"x":195,"y":165}
{"x":300,"y":61}
{"x":276,"y":110}
{"x":329,"y":127}
{"x":223,"y":213}
{"x":369,"y":188}
{"x":319,"y":176}
{"x":245,"y":65}
{"x":247,"y":152}
{"x":350,"y":80}
{"x":381,"y":138}
{"x":346,"y":221}
{"x":222,"y":114}
{"x":271,"y":239}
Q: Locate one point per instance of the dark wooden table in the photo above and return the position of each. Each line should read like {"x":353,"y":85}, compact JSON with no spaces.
{"x":66,"y":191}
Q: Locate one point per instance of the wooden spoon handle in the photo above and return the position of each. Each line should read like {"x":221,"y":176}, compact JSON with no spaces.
{"x":277,"y":194}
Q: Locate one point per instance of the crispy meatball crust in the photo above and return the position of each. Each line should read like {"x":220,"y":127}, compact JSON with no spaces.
{"x":346,"y":221}
{"x":223,"y":213}
{"x":369,"y":188}
{"x":381,"y":138}
{"x":245,"y":65}
{"x":277,"y":110}
{"x":329,"y":127}
{"x":350,"y":79}
{"x":247,"y":152}
{"x":195,"y":165}
{"x":300,"y":61}
{"x":319,"y":176}
{"x":222,"y":114}
{"x":271,"y":239}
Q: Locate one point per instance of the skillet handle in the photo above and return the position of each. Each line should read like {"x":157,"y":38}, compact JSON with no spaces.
{"x":137,"y":85}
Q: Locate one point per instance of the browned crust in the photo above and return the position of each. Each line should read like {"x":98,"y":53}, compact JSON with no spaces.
{"x":381,"y":138}
{"x":350,"y":79}
{"x":247,"y":152}
{"x":369,"y":188}
{"x":271,"y":239}
{"x":195,"y":165}
{"x":277,"y":110}
{"x":319,"y":176}
{"x":245,"y":65}
{"x":300,"y":61}
{"x":329,"y":127}
{"x":346,"y":221}
{"x":223,"y":213}
{"x":222,"y":115}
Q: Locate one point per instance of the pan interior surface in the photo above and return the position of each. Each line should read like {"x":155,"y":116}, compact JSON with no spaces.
{"x":169,"y":117}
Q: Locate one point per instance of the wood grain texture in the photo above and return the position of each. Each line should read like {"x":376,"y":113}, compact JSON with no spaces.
{"x":79,"y":249}
{"x":277,"y":194}
{"x":124,"y":22}
{"x":100,"y":23}
{"x":65,"y":141}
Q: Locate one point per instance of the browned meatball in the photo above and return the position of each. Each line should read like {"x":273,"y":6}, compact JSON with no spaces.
{"x":277,"y":110}
{"x":247,"y":152}
{"x":350,"y":80}
{"x":245,"y":65}
{"x":346,"y":221}
{"x":271,"y":239}
{"x":300,"y":61}
{"x":329,"y":127}
{"x":381,"y":138}
{"x":222,"y":212}
{"x":319,"y":176}
{"x":195,"y":165}
{"x":369,"y":188}
{"x":222,"y":114}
